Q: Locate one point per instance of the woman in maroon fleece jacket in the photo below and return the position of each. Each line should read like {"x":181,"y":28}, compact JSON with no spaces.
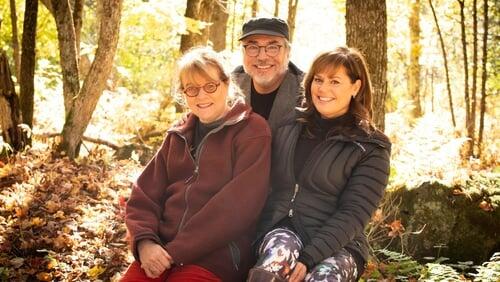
{"x":193,"y":210}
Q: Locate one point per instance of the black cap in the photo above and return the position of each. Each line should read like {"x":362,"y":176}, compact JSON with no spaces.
{"x":267,"y":26}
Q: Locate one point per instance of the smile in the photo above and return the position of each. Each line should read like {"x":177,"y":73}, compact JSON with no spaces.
{"x":204,"y":105}
{"x":263,"y":67}
{"x":325,"y":99}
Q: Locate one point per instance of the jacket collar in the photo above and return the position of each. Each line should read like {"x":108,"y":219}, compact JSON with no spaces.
{"x":238,"y":112}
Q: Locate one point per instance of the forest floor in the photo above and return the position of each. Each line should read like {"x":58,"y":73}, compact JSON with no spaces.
{"x":62,"y":220}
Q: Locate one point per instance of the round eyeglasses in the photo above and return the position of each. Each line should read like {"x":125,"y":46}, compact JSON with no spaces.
{"x":193,"y":91}
{"x":253,"y":50}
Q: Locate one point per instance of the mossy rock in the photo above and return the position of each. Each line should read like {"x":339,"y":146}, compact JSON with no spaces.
{"x":462,"y":226}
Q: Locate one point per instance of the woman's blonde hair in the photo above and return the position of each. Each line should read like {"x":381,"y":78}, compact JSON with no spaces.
{"x":197,"y":62}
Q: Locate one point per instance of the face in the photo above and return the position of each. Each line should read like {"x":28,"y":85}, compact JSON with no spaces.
{"x":267,"y":72}
{"x":331,"y":92}
{"x":208,"y":107}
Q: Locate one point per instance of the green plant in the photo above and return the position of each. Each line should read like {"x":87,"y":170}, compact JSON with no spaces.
{"x":400,"y":266}
{"x":488,"y":271}
{"x":440,"y":272}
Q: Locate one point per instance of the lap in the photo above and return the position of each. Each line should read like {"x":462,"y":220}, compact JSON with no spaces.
{"x":185,"y":273}
{"x":279,"y":251}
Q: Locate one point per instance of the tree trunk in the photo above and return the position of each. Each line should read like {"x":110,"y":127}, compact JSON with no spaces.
{"x":445,"y":58}
{"x":255,"y":8}
{"x":233,"y":27}
{"x":219,"y":26}
{"x":10,"y":116}
{"x":366,"y":30}
{"x":15,"y":39}
{"x":27,"y":77}
{"x":484,"y":78}
{"x":472,"y":130}
{"x":84,"y":104}
{"x":292,"y":12}
{"x":67,"y":52}
{"x":77,"y":21}
{"x":415,"y":50}
{"x":48,"y":5}
{"x":200,"y":10}
{"x":276,"y":8}
{"x":468,"y":120}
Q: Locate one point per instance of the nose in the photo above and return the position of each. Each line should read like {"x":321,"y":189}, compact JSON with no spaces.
{"x":262,"y":53}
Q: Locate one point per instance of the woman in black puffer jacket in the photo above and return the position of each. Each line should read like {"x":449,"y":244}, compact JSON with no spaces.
{"x":329,"y":171}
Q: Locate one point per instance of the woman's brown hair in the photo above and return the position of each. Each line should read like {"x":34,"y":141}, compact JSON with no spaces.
{"x":360,"y":106}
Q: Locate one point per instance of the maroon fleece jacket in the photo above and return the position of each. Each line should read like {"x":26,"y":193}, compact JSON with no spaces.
{"x":204,"y":209}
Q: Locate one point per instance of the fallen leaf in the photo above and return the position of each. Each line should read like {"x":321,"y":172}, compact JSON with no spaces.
{"x":17,"y":262}
{"x":44,"y":276}
{"x":95,"y":271}
{"x":485,"y":206}
{"x":396,"y":227}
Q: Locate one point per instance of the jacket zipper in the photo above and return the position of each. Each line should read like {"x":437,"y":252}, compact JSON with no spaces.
{"x":296,"y":190}
{"x":235,"y":254}
{"x":193,"y":177}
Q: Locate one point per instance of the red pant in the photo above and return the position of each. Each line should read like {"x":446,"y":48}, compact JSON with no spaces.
{"x":185,"y":273}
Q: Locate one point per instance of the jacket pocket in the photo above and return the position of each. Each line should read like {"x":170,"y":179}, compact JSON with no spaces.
{"x":235,"y":254}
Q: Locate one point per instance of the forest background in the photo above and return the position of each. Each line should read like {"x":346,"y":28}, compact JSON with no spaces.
{"x":101,"y":71}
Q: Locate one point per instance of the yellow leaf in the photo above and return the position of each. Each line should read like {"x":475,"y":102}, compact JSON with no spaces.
{"x":5,"y":170}
{"x":44,"y":276}
{"x":95,"y":271}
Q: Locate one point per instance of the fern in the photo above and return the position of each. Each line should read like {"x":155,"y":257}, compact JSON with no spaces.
{"x":400,"y":265}
{"x":488,"y":271}
{"x":440,"y":272}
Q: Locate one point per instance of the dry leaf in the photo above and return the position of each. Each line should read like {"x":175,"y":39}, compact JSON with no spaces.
{"x":95,"y":271}
{"x":44,"y":276}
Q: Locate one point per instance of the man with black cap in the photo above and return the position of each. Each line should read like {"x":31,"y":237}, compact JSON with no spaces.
{"x":269,"y":81}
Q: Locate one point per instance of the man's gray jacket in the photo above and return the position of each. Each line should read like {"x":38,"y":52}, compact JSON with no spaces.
{"x":288,"y":97}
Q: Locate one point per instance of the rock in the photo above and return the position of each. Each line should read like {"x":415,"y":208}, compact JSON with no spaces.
{"x":460,"y":226}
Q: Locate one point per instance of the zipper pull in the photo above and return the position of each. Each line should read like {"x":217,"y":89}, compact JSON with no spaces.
{"x":290,"y":213}
{"x":195,"y":175}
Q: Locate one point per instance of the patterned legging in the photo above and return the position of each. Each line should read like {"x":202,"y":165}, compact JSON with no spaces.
{"x":280,"y":249}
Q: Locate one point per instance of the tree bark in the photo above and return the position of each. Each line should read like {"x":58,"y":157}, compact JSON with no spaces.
{"x":84,"y":104}
{"x":200,"y":10}
{"x":292,"y":12}
{"x":218,"y":28}
{"x":366,"y":30}
{"x":255,"y":8}
{"x":15,"y":39}
{"x":67,"y":52}
{"x":445,"y":58}
{"x":484,"y":78}
{"x":10,"y":116}
{"x":276,"y":8}
{"x":77,"y":21}
{"x":468,"y":117}
{"x":415,"y":51}
{"x":48,"y":5}
{"x":472,"y":129}
{"x":27,"y":77}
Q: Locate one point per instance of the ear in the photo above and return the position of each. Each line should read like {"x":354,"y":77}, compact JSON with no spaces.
{"x":356,"y":87}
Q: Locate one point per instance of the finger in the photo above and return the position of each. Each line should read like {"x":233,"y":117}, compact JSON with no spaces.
{"x":149,"y":273}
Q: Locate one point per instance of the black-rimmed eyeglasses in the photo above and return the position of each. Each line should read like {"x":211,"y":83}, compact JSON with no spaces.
{"x":193,"y":91}
{"x":253,"y":50}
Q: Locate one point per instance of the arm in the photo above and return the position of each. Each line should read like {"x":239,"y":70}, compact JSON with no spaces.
{"x":144,"y":208}
{"x":360,"y":199}
{"x":232,"y":211}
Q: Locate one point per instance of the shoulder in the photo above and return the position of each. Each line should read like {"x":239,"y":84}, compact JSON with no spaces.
{"x":256,"y":123}
{"x":238,"y":70}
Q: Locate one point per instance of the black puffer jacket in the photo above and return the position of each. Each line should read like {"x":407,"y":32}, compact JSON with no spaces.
{"x":332,"y":200}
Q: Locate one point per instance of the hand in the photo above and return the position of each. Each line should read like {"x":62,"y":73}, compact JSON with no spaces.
{"x":299,"y":273}
{"x":154,"y":258}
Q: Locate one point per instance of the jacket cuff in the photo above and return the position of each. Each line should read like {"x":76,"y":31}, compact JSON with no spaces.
{"x":140,"y":237}
{"x":307,"y":260}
